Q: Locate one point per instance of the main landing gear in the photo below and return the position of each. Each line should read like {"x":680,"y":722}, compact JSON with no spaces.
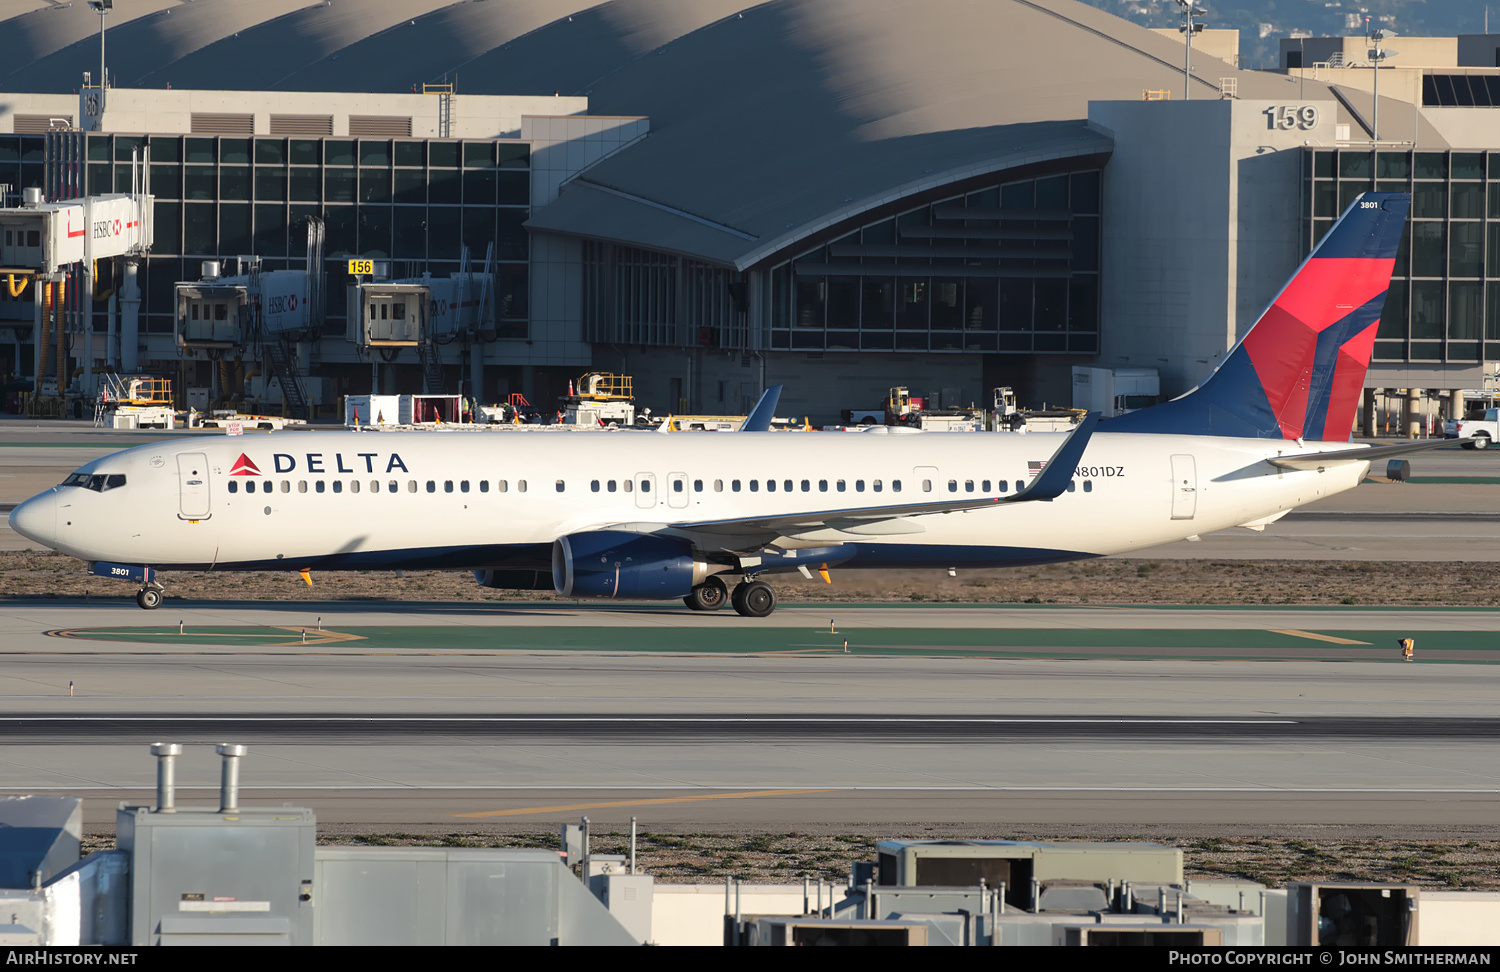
{"x":754,"y":599}
{"x":149,"y":597}
{"x":751,"y":598}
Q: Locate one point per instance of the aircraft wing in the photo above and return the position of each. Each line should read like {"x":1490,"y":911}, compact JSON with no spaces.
{"x":1313,"y":460}
{"x":888,"y":518}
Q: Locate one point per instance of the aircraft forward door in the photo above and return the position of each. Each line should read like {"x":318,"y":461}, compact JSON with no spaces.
{"x":192,"y":480}
{"x":925,"y":478}
{"x":1184,"y":487}
{"x":645,"y":490}
{"x":677,"y":490}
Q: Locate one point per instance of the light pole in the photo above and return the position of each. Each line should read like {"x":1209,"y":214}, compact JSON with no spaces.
{"x":104,"y":7}
{"x":1376,"y":54}
{"x":1188,"y":29}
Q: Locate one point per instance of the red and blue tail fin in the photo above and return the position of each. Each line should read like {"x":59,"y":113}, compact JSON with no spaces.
{"x":1299,"y":372}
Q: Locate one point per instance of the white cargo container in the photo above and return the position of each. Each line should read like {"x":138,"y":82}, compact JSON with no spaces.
{"x":1115,"y":391}
{"x":372,"y":410}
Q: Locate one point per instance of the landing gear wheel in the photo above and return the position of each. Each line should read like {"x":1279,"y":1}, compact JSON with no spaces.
{"x":754,"y":599}
{"x":149,"y":598}
{"x":708,"y":596}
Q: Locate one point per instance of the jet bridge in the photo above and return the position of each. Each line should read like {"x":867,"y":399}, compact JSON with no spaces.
{"x":53,"y":248}
{"x":270,"y":316}
{"x":426,"y":313}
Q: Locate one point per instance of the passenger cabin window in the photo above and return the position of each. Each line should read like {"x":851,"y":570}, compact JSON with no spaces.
{"x":610,"y":486}
{"x":952,"y":485}
{"x":411,"y":485}
{"x":787,"y":485}
{"x":431,"y":486}
{"x":320,"y":485}
{"x":520,"y":485}
{"x":718,"y":485}
{"x":463,"y":486}
{"x":926,"y":485}
{"x":806,"y":486}
{"x":629,"y":485}
{"x":338,"y":485}
{"x":770,"y":486}
{"x":677,"y":485}
{"x":594,"y":486}
{"x":754,"y":485}
{"x":484,"y":485}
{"x":840,"y":485}
{"x":301,"y":485}
{"x":560,"y":486}
{"x":876,"y":485}
{"x":734,"y":485}
{"x":822,"y":485}
{"x":1088,"y":485}
{"x":1072,"y":486}
{"x":286,"y":485}
{"x":697,"y":485}
{"x":859,"y":485}
{"x":502,"y":486}
{"x":353,"y":485}
{"x":447,"y":485}
{"x":234,"y":487}
{"x":968,"y":485}
{"x":895,"y":485}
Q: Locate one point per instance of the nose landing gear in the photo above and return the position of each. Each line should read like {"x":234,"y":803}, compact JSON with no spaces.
{"x":149,"y":597}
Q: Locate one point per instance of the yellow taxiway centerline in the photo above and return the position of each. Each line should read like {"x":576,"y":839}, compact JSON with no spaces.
{"x":1317,"y":637}
{"x":639,"y":803}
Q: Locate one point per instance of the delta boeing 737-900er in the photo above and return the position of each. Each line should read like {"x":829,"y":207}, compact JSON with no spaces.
{"x":703,"y":517}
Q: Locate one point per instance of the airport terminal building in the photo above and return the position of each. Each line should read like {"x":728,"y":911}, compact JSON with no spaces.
{"x":713,"y":196}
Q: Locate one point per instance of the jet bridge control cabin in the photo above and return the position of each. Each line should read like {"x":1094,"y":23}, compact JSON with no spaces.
{"x":387,"y":315}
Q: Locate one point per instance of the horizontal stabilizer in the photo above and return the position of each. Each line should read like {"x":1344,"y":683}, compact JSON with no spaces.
{"x":1315,"y":459}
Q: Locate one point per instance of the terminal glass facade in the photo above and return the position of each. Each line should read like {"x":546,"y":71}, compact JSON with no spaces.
{"x":1010,"y":268}
{"x":1444,"y":301}
{"x":416,"y":202}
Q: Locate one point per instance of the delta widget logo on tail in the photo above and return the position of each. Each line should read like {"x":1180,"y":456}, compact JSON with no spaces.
{"x":243,"y":466}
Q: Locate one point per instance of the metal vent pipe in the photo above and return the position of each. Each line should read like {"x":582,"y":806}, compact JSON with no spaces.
{"x":166,"y":775}
{"x":229,"y":780}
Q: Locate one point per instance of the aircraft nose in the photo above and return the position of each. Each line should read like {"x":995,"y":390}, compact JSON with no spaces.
{"x":36,"y":519}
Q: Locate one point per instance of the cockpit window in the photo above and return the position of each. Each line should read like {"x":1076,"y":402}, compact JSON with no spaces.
{"x":99,"y":483}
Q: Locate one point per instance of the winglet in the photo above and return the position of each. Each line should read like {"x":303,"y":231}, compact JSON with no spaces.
{"x":759,"y":419}
{"x":1058,"y":473}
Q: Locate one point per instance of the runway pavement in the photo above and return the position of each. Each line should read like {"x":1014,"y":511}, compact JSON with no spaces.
{"x":444,"y":736}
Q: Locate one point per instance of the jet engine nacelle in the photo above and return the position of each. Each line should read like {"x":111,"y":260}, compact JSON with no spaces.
{"x":611,"y":563}
{"x":514,"y":580}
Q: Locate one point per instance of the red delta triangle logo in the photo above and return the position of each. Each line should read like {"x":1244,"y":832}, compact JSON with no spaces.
{"x":244,"y":467}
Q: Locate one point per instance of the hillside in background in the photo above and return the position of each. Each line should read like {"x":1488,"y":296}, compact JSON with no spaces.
{"x":1262,"y":22}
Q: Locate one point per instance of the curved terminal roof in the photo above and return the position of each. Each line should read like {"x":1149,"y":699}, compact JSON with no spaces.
{"x":769,"y":121}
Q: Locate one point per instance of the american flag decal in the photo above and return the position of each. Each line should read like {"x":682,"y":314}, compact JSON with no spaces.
{"x":1032,"y":468}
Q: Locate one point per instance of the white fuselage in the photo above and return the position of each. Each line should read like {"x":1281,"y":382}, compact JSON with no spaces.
{"x":367,"y":500}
